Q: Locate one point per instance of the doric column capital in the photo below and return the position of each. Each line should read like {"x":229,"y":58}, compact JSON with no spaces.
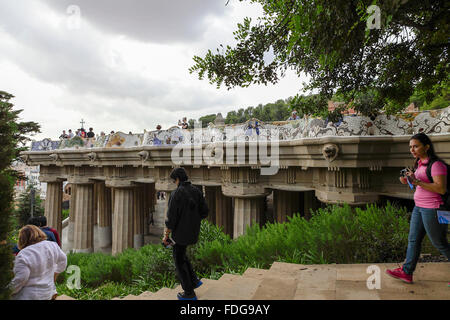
{"x":49,"y":178}
{"x":242,"y":190}
{"x":120,"y":183}
{"x":166,"y":186}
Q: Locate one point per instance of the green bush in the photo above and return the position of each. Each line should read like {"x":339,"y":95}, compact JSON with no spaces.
{"x":336,"y":234}
{"x":65,"y":214}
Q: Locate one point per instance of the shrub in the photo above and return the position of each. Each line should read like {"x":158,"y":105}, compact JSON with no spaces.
{"x":336,"y":234}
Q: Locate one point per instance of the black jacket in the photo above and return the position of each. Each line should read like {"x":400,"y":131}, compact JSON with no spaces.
{"x":187,"y":207}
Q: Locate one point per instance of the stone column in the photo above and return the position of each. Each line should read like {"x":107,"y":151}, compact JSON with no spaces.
{"x":104,"y":207}
{"x":53,"y":205}
{"x":84,"y":219}
{"x":96,"y":190}
{"x":152,"y":197}
{"x":122,"y":224}
{"x":286,"y":203}
{"x":149,"y":203}
{"x":166,"y":204}
{"x":247,"y":211}
{"x":138,"y":217}
{"x":146,"y":204}
{"x":71,"y":226}
{"x":210,"y":197}
{"x":309,"y":203}
{"x":224,"y":212}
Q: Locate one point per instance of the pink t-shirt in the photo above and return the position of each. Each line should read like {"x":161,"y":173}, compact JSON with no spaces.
{"x":424,"y":198}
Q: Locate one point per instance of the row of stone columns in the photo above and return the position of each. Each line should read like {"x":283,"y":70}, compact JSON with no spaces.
{"x":122,"y":212}
{"x":235,"y":214}
{"x":288,"y":203}
{"x":94,"y":202}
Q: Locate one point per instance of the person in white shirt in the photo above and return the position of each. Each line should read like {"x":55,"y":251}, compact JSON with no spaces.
{"x":294,"y":116}
{"x":71,"y":135}
{"x":36,"y":266}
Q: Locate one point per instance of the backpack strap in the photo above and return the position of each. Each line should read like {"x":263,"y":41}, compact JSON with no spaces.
{"x":428,"y":170}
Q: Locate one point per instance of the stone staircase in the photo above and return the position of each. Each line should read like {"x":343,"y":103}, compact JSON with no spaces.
{"x":286,"y":281}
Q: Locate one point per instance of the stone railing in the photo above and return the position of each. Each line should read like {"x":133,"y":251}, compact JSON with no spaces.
{"x":430,"y":122}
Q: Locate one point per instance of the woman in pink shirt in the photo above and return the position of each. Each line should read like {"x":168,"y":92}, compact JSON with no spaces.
{"x":427,"y":199}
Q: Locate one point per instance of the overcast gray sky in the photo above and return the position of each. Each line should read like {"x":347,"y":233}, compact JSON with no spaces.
{"x":120,"y":65}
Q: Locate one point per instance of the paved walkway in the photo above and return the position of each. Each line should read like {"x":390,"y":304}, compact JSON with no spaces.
{"x":285,"y":281}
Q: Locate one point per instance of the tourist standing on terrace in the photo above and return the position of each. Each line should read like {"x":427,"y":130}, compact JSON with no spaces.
{"x":91,"y":133}
{"x":83,"y":133}
{"x":36,"y":266}
{"x":294,"y":116}
{"x":71,"y":135}
{"x":184,"y":124}
{"x":63,"y":135}
{"x":187,"y":207}
{"x":428,"y":199}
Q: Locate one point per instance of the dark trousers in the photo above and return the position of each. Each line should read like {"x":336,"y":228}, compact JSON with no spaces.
{"x":184,"y":270}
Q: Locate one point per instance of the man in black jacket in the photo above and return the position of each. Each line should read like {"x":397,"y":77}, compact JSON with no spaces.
{"x":187,"y":207}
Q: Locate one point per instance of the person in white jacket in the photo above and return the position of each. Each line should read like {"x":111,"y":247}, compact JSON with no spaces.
{"x":36,"y":266}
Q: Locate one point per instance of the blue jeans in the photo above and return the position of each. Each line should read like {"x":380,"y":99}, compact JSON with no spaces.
{"x":424,"y":221}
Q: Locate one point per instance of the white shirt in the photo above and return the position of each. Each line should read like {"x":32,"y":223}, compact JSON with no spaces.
{"x":34,"y":269}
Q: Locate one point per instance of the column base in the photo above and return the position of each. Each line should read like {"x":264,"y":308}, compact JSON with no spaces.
{"x":104,"y":236}
{"x":138,"y":241}
{"x":88,"y":250}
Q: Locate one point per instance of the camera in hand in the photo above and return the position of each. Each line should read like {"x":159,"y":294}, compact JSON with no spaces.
{"x":409,"y":179}
{"x":403,"y":172}
{"x":170,"y":245}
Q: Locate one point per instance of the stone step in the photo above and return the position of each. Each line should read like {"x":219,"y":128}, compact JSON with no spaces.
{"x":200,"y":291}
{"x":255,"y":273}
{"x":276,"y":288}
{"x":147,"y":295}
{"x":432,"y":271}
{"x":164,"y":294}
{"x":64,"y":297}
{"x":287,"y":281}
{"x":232,"y":287}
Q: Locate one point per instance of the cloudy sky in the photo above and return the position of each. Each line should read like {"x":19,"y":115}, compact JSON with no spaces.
{"x":120,"y":65}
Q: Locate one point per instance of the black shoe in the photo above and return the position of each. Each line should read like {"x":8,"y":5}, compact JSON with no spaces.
{"x":184,"y":296}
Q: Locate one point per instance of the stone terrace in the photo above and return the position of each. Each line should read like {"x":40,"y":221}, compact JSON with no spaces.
{"x":286,"y":281}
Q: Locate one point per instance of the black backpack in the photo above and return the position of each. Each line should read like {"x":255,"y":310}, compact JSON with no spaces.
{"x":446,"y":196}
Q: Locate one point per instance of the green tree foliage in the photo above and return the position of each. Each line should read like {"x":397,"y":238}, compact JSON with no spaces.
{"x":23,"y":211}
{"x":439,"y":96}
{"x":277,"y":111}
{"x":207,"y":119}
{"x":12,"y":140}
{"x":335,"y":44}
